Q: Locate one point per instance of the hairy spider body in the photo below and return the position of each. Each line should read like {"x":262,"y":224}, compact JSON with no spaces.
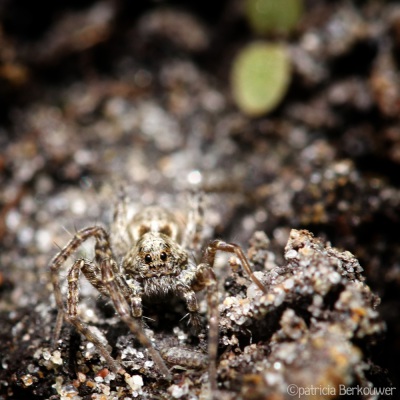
{"x":156,"y":264}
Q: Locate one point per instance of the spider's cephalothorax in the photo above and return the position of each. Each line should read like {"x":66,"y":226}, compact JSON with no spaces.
{"x":155,"y":263}
{"x":155,"y":255}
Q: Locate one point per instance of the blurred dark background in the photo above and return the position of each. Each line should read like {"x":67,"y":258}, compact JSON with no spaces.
{"x":93,"y":93}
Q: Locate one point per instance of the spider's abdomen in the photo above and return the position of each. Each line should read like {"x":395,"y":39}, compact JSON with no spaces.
{"x":156,"y":220}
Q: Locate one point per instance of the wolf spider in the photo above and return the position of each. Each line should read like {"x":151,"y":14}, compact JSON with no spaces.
{"x":156,"y":264}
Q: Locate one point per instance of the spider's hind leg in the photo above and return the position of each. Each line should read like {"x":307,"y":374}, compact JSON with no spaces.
{"x":120,"y":234}
{"x":194,"y":234}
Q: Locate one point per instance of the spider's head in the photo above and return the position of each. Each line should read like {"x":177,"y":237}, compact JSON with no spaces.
{"x":155,"y":254}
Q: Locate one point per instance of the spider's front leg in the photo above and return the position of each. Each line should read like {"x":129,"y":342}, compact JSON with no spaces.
{"x":218,"y":245}
{"x":107,"y":280}
{"x":71,"y":315}
{"x":205,"y":277}
{"x":93,"y":272}
{"x":110,"y":277}
{"x":189,"y":296}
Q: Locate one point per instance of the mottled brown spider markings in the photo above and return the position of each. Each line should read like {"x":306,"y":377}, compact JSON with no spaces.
{"x":155,"y":264}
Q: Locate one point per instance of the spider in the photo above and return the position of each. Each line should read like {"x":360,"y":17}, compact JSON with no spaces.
{"x":155,"y":264}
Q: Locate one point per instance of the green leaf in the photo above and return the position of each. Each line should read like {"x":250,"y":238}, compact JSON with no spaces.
{"x":277,"y":16}
{"x":260,"y":77}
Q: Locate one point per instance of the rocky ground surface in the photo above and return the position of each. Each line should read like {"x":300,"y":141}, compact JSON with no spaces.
{"x":96,"y":95}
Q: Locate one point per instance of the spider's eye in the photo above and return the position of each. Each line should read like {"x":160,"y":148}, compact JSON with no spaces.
{"x":163,"y":256}
{"x":147,"y":259}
